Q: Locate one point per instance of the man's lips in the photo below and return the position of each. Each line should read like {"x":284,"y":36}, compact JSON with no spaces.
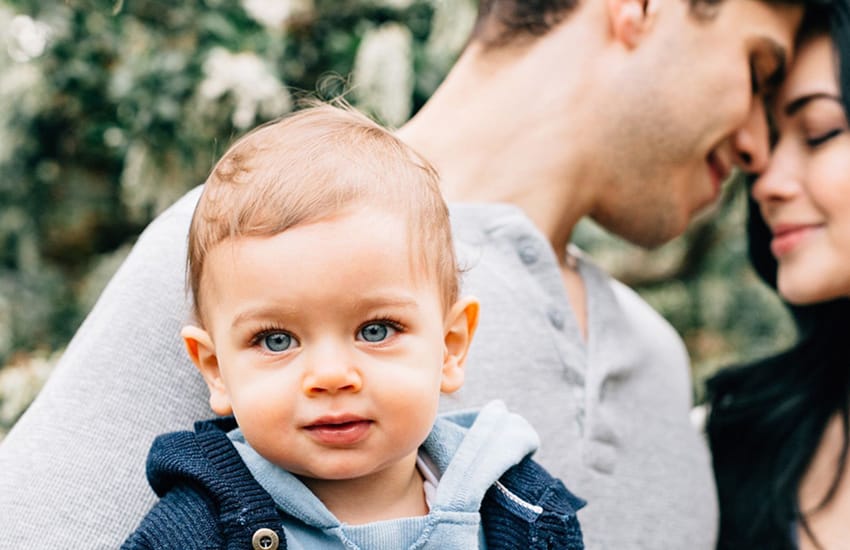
{"x":786,"y":237}
{"x":339,"y":430}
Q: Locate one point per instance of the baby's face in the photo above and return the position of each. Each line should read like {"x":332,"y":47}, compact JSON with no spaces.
{"x":330,"y":350}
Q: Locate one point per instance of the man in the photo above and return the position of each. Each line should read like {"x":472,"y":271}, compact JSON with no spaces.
{"x":627,"y":111}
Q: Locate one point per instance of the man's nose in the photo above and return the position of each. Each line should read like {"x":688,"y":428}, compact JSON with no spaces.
{"x":751,"y":142}
{"x":779,"y":182}
{"x":330,"y":370}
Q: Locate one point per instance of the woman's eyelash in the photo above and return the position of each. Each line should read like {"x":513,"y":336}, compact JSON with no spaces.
{"x":823,"y":138}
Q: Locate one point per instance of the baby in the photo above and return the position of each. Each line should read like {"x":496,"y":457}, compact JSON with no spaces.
{"x":327,"y":323}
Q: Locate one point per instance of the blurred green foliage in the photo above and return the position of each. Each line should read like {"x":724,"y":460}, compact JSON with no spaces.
{"x":109,"y":111}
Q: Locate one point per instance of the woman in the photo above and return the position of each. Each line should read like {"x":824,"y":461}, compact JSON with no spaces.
{"x":779,"y":428}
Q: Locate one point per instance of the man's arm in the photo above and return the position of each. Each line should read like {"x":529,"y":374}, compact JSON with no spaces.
{"x":72,"y":470}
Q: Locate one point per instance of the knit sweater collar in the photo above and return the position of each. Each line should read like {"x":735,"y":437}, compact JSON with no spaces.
{"x":469,"y":451}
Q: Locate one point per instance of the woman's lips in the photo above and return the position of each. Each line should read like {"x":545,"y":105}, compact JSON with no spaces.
{"x":786,"y":238}
{"x":339,"y":431}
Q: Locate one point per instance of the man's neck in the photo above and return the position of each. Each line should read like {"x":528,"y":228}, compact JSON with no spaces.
{"x":497,"y":135}
{"x":391,"y":493}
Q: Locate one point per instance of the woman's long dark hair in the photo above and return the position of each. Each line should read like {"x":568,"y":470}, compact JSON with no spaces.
{"x":768,"y":418}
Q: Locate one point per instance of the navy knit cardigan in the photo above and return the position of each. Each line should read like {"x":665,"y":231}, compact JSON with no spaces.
{"x":210,"y":500}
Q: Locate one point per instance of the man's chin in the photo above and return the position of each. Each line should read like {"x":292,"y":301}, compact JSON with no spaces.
{"x":653,"y":236}
{"x":645,"y":228}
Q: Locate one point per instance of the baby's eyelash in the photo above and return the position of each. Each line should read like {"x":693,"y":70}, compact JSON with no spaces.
{"x":387,"y":320}
{"x":264,"y":331}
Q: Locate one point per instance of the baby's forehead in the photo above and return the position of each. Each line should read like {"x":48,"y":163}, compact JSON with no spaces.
{"x":338,"y":236}
{"x":364,"y":259}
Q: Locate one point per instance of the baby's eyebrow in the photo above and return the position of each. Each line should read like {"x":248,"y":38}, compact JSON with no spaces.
{"x":279,"y":311}
{"x":387,"y":301}
{"x":262,"y":312}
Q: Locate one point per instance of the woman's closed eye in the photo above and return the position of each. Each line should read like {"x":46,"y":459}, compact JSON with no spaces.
{"x":820,"y":139}
{"x":821,"y":120}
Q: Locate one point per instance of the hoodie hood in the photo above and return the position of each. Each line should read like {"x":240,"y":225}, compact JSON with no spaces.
{"x":468,"y":452}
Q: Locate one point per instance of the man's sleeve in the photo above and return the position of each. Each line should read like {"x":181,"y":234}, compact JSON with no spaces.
{"x":72,"y":470}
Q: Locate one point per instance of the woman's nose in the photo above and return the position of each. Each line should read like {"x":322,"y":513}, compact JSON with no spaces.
{"x":780,"y":181}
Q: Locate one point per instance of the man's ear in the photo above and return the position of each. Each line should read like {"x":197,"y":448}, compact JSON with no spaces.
{"x":631,"y":19}
{"x":202,"y":353}
{"x":461,"y":322}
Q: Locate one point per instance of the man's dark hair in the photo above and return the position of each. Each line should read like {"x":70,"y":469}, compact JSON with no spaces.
{"x":502,"y":22}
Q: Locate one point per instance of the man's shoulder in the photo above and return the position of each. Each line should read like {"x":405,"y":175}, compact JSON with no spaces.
{"x":633,"y":332}
{"x":637,"y":311}
{"x":646,"y":321}
{"x":636,"y":314}
{"x":473,"y":221}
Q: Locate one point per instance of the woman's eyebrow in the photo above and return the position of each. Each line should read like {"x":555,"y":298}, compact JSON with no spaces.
{"x":802,"y":101}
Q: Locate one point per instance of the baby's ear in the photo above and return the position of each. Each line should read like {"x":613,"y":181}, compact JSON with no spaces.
{"x":202,"y":353}
{"x":460,"y":325}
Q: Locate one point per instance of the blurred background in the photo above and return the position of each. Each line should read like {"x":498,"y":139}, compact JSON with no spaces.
{"x":111,"y":110}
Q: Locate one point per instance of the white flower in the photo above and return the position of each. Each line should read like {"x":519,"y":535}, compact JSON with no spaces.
{"x":453,"y":21}
{"x":275,"y":13}
{"x":253,"y":85}
{"x":394,"y":4}
{"x":137,"y":176}
{"x":26,"y":38}
{"x":383,"y":73}
{"x":450,"y":27}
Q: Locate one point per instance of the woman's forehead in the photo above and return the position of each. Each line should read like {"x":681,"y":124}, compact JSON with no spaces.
{"x":813,"y":74}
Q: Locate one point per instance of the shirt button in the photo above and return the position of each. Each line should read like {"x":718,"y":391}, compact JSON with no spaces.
{"x":528,"y":254}
{"x":265,"y":539}
{"x":578,"y":393}
{"x":556,"y":318}
{"x":572,"y":377}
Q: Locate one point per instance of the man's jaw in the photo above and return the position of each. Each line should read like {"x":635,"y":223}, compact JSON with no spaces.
{"x":720,"y":165}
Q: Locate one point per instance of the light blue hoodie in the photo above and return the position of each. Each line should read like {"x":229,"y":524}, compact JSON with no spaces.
{"x":469,"y":452}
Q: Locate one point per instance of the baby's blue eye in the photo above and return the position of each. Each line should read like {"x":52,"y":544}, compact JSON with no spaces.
{"x":376,"y":332}
{"x":277,"y":341}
